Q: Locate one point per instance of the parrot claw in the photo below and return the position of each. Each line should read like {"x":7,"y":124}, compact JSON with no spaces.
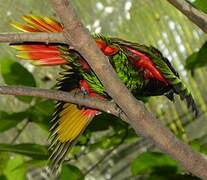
{"x":120,"y":112}
{"x":79,"y":93}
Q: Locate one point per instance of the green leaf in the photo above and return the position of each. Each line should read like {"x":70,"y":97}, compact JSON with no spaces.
{"x":34,"y":151}
{"x":13,"y":170}
{"x":3,"y":177}
{"x":75,"y":149}
{"x":191,"y":61}
{"x":197,"y":59}
{"x":35,"y":163}
{"x":104,"y":121}
{"x":196,"y":144}
{"x":14,"y":73}
{"x":8,"y":121}
{"x":148,"y":161}
{"x":71,"y":172}
{"x":41,"y":113}
{"x":203,"y":148}
{"x":4,"y":157}
{"x":43,"y":107}
{"x":106,"y":142}
{"x":170,"y":176}
{"x":200,"y":4}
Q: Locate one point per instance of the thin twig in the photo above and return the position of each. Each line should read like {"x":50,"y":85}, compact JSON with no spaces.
{"x":19,"y":132}
{"x":92,"y":102}
{"x":107,"y":154}
{"x":31,"y":37}
{"x":197,"y":17}
{"x":139,"y":118}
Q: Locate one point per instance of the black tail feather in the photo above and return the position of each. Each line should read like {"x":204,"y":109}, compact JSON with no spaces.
{"x":192,"y":105}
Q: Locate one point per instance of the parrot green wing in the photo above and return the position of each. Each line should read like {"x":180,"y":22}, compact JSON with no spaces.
{"x":166,"y":69}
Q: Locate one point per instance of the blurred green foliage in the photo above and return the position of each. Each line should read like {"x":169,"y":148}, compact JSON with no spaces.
{"x":200,"y":4}
{"x":13,"y":170}
{"x":150,"y":161}
{"x":35,"y":151}
{"x":197,"y":59}
{"x":8,"y":121}
{"x":71,"y":172}
{"x":14,"y":73}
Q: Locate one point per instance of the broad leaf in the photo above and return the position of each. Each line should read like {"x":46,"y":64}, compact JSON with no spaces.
{"x":191,"y":61}
{"x":41,"y":113}
{"x":8,"y":121}
{"x":167,"y":174}
{"x":197,"y":59}
{"x":104,"y":121}
{"x":14,"y":73}
{"x":3,"y":177}
{"x":200,"y":4}
{"x":71,"y":172}
{"x":35,"y":163}
{"x":34,"y":151}
{"x":13,"y":170}
{"x":149,"y":161}
{"x":4,"y":158}
{"x":203,"y":148}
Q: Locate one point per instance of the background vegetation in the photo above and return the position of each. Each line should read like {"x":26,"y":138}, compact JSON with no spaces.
{"x":109,"y":149}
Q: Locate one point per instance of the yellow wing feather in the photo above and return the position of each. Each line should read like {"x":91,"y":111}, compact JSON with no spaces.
{"x":38,"y":24}
{"x":71,"y":123}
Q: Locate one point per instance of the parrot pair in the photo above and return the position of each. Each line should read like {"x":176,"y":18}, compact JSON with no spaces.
{"x":143,"y":69}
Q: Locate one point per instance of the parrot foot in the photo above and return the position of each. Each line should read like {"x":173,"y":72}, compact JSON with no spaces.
{"x":79,"y":93}
{"x":120,"y":111}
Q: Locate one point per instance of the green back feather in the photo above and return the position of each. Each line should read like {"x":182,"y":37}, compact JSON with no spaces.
{"x":129,"y":75}
{"x":166,"y":69}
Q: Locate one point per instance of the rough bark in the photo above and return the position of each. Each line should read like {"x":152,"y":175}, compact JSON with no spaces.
{"x":32,"y":37}
{"x":140,"y":119}
{"x":197,"y":17}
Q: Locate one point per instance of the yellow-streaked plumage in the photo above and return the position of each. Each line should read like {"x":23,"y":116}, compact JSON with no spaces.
{"x":68,"y":124}
{"x":24,"y":28}
{"x":38,"y":24}
{"x":68,"y":121}
{"x":71,"y":123}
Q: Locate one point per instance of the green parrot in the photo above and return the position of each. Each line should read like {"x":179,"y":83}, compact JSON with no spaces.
{"x":143,"y":69}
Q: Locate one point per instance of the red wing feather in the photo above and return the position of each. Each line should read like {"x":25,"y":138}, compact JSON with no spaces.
{"x":39,"y":53}
{"x":145,"y":63}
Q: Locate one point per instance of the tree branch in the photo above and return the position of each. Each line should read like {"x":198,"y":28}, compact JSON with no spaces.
{"x":92,"y":102}
{"x":19,"y":132}
{"x":197,"y":17}
{"x":32,"y":37}
{"x":142,"y":121}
